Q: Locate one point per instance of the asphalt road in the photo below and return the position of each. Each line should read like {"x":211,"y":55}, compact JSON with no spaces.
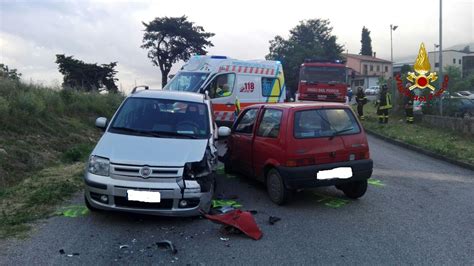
{"x":418,"y":211}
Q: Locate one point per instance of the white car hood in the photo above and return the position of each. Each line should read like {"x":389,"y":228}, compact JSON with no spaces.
{"x":140,"y":150}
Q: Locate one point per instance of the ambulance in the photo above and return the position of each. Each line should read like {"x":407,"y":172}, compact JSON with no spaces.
{"x":230,"y":83}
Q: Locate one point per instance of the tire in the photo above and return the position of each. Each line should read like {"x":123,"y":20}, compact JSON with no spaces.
{"x":89,"y":206}
{"x":355,"y":190}
{"x":277,"y":191}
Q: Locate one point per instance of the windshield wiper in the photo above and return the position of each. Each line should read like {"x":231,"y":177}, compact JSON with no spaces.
{"x":127,"y":129}
{"x":335,"y":133}
{"x":174,"y":134}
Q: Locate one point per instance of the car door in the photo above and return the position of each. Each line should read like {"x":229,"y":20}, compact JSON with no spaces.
{"x":268,"y":142}
{"x":241,"y":141}
{"x":222,"y":92}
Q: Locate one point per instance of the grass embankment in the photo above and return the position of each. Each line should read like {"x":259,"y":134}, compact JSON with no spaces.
{"x":45,"y":137}
{"x":439,"y":140}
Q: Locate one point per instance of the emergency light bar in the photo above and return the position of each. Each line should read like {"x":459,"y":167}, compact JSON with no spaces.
{"x":218,"y":57}
{"x":323,"y":60}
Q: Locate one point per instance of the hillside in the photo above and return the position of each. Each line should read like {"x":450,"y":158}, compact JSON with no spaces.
{"x":45,"y":137}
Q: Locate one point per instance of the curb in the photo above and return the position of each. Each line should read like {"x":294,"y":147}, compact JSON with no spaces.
{"x":421,"y":150}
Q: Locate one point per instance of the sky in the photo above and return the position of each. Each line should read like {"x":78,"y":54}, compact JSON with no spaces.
{"x":32,"y":32}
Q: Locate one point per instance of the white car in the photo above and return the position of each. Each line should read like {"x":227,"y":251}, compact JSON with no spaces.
{"x":372,"y":90}
{"x":156,"y":156}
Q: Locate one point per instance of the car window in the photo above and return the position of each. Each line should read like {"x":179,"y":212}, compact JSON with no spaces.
{"x":162,"y":117}
{"x":268,"y":85}
{"x":270,"y":124}
{"x":222,"y":86}
{"x":324,"y":123}
{"x":247,"y":121}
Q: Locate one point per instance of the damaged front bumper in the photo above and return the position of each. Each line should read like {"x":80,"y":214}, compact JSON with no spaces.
{"x":109,"y":193}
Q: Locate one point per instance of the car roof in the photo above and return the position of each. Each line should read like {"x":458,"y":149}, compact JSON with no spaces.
{"x":171,"y":95}
{"x":302,"y":105}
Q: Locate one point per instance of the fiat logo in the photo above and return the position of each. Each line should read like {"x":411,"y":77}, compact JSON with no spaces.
{"x":145,"y":172}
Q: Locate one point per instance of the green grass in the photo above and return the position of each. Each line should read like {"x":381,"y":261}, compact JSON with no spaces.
{"x":442,"y":141}
{"x":46,"y":135}
{"x":36,"y":197}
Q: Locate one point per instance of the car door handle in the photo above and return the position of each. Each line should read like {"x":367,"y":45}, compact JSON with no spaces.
{"x":229,"y":104}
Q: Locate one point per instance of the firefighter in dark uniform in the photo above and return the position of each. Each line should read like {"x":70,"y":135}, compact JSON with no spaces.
{"x":408,"y":105}
{"x":361,"y":100}
{"x":384,"y":103}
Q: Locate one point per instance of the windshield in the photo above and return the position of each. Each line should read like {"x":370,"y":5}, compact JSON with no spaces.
{"x":324,"y":123}
{"x":186,"y":81}
{"x":313,"y":74}
{"x":162,"y":118}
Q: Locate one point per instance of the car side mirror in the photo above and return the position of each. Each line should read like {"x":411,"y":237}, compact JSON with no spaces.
{"x":223,"y":132}
{"x":101,"y":122}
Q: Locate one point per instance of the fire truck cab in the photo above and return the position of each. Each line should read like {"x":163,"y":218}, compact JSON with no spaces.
{"x":228,"y":81}
{"x":323,"y":80}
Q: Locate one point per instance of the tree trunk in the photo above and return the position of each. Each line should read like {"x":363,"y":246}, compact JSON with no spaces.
{"x":164,"y":77}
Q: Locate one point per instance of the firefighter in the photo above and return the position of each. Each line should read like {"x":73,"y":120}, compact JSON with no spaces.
{"x":384,"y":103}
{"x":408,"y":105}
{"x":361,"y":100}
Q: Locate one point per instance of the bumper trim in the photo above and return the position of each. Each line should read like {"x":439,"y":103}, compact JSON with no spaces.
{"x":95,"y":184}
{"x":305,"y":176}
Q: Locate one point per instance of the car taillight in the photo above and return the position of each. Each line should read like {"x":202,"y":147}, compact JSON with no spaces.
{"x":365,"y":155}
{"x":300,"y":162}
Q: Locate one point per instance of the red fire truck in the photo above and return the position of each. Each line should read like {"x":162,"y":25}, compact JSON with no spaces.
{"x":322,"y":80}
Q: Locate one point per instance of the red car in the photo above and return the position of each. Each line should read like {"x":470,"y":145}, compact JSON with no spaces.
{"x":300,"y":145}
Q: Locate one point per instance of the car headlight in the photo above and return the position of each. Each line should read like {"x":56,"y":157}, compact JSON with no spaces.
{"x":98,"y":165}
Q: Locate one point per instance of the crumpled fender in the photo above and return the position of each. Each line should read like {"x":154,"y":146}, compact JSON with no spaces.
{"x":241,"y":220}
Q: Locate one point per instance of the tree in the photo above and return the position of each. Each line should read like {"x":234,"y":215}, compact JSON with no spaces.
{"x":86,"y":76}
{"x":6,"y":73}
{"x":405,"y":69}
{"x":310,"y":39}
{"x":466,"y":49}
{"x":170,"y":39}
{"x":366,"y":41}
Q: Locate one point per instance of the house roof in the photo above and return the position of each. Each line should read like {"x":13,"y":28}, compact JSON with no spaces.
{"x":366,"y":58}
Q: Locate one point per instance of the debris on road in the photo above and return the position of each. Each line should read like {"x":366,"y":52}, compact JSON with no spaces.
{"x":166,"y":244}
{"x":375,"y":182}
{"x":273,"y":219}
{"x":62,"y":252}
{"x":223,"y":203}
{"x":224,"y":239}
{"x":123,"y":246}
{"x":241,"y":220}
{"x":73,"y":211}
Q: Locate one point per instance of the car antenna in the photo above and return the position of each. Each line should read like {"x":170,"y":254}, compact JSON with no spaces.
{"x":140,"y":86}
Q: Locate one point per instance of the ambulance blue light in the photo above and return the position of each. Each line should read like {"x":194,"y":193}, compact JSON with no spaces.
{"x":219,"y":57}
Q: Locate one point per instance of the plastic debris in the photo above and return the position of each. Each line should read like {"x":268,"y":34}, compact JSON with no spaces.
{"x":73,"y":211}
{"x":224,"y":239}
{"x":166,"y":244}
{"x":123,"y":246}
{"x":241,"y":220}
{"x":273,"y":219}
{"x":222,"y":203}
{"x":61,"y":251}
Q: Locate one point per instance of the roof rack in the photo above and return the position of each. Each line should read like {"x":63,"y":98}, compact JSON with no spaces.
{"x":140,"y":86}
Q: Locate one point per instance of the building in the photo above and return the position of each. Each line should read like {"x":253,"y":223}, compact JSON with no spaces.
{"x":368,"y":69}
{"x":397,"y":67}
{"x":450,"y":58}
{"x":468,"y":65}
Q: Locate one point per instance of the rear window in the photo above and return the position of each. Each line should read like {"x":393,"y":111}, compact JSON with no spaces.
{"x":318,"y":123}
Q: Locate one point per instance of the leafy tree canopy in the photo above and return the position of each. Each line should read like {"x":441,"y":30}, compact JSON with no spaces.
{"x":86,"y":76}
{"x":7,"y":73}
{"x":310,"y":39}
{"x":170,"y":39}
{"x":366,"y":41}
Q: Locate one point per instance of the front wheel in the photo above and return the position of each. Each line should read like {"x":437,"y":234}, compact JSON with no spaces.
{"x":276,"y":188}
{"x":354,"y":189}
{"x":89,"y":206}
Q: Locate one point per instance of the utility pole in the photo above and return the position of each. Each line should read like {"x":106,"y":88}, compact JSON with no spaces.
{"x":441,"y":54}
{"x":392,"y":83}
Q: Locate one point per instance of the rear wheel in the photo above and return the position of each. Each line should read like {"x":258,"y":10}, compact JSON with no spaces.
{"x":276,"y":188}
{"x":354,"y":189}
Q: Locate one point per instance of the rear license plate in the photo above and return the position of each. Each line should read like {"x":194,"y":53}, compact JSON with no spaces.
{"x":339,"y":172}
{"x":144,"y":196}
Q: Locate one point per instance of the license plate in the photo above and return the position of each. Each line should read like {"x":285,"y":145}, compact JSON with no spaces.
{"x":144,"y":196}
{"x":339,"y":172}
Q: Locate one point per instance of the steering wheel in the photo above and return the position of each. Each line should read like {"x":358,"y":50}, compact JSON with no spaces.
{"x":192,"y":124}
